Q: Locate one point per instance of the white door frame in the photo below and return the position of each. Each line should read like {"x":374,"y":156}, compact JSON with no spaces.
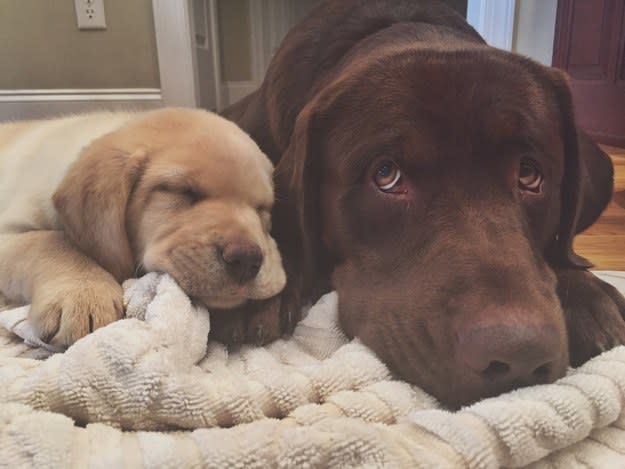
{"x":176,"y":52}
{"x":494,"y":20}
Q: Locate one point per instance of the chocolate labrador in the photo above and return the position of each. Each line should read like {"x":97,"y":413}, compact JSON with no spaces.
{"x":437,"y":184}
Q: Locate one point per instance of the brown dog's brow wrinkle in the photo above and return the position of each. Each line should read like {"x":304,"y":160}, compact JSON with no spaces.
{"x":522,"y":144}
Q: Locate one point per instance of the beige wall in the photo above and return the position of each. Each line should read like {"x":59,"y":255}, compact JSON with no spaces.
{"x":534,"y":28}
{"x":233,"y":18}
{"x":41,"y":46}
{"x":302,"y":7}
{"x":234,"y":35}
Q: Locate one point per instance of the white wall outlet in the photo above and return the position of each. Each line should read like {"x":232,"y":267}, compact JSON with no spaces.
{"x":90,"y":14}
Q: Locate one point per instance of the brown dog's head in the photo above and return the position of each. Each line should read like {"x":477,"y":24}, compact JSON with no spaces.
{"x":437,"y":186}
{"x":178,"y":191}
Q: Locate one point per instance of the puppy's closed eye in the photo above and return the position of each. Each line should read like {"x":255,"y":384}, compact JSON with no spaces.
{"x":186,"y":193}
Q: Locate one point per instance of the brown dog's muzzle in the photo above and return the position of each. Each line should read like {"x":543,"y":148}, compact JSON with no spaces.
{"x":471,"y":314}
{"x":507,"y":323}
{"x":507,"y":355}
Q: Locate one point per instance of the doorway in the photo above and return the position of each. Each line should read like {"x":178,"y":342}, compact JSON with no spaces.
{"x":590,"y":46}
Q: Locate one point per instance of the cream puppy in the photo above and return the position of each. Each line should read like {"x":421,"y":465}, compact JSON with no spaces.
{"x":91,"y":200}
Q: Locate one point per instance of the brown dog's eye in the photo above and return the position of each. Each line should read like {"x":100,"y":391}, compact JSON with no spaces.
{"x":387,"y":176}
{"x":530,"y":177}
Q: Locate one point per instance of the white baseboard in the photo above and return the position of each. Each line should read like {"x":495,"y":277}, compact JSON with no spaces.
{"x":101,"y":94}
{"x":37,"y":104}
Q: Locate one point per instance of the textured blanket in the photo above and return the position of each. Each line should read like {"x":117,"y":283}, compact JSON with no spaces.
{"x":148,"y":391}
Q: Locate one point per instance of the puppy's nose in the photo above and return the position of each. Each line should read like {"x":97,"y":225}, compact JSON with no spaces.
{"x":243,"y":260}
{"x":511,"y":355}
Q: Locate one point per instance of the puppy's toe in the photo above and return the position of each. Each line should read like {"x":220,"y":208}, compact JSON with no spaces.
{"x":46,"y":319}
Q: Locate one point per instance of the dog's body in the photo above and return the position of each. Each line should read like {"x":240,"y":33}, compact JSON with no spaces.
{"x":89,"y":201}
{"x":35,"y":157}
{"x":437,"y":184}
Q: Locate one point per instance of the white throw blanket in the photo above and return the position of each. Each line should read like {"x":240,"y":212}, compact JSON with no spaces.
{"x":148,"y":391}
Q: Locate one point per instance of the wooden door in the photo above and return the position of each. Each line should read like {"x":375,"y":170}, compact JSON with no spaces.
{"x":590,"y":46}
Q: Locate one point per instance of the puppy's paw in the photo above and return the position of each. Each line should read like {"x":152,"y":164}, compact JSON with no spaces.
{"x":263,"y":321}
{"x":594,"y":312}
{"x":227,"y":326}
{"x":63,"y":311}
{"x":256,"y":322}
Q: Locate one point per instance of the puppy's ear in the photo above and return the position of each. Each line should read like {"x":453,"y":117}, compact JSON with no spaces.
{"x":91,"y":202}
{"x":587,"y":184}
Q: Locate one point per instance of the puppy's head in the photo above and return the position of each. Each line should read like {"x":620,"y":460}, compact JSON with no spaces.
{"x":437,"y":188}
{"x":178,"y":191}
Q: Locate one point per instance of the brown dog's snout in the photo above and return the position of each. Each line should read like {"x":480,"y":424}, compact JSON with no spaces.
{"x":243,"y":260}
{"x":508,"y":355}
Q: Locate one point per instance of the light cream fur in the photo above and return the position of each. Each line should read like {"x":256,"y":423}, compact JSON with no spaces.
{"x":89,"y":201}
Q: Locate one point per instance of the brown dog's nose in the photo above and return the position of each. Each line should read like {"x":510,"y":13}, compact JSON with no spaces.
{"x":511,"y":355}
{"x":243,"y":260}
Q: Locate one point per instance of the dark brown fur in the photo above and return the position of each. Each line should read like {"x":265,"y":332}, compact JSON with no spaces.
{"x":464,"y":262}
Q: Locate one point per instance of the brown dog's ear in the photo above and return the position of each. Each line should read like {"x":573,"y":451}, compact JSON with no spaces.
{"x":587,"y":182}
{"x":597,"y":180}
{"x":91,"y":202}
{"x":298,"y":177}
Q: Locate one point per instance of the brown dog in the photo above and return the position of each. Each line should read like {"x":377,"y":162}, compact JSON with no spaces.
{"x":89,"y":201}
{"x":437,"y":184}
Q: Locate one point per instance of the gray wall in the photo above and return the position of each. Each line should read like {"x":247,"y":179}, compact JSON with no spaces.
{"x":534,"y":28}
{"x":41,"y":46}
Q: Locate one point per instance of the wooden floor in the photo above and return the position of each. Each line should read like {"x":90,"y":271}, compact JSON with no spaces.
{"x":604,"y":242}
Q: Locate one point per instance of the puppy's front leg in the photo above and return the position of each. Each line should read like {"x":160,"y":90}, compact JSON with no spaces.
{"x":70,"y":294}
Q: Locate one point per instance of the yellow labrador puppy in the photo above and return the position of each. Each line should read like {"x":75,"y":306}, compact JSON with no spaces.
{"x":89,"y":201}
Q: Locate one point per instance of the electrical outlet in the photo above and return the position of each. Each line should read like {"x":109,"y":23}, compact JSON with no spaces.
{"x":90,"y":14}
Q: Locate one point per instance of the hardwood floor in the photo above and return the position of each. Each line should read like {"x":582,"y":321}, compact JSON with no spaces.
{"x":604,"y":242}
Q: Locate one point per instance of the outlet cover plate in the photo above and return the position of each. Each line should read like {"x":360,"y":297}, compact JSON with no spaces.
{"x":90,"y":14}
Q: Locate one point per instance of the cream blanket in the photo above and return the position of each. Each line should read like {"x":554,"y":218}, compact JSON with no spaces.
{"x":148,"y":391}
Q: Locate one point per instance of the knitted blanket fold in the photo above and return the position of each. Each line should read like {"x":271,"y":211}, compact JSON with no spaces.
{"x":149,"y":391}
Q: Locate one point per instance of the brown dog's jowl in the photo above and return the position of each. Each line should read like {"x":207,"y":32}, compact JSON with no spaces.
{"x":437,"y":184}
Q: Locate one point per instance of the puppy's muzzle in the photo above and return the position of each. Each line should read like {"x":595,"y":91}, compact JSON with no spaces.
{"x":243,"y":260}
